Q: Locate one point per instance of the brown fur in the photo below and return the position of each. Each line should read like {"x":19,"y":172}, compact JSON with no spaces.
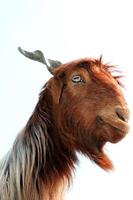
{"x":68,"y":118}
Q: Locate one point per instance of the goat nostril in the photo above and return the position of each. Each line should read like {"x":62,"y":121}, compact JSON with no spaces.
{"x":122,"y":114}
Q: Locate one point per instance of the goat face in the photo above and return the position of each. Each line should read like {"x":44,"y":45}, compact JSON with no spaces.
{"x":87,"y":105}
{"x":91,"y":108}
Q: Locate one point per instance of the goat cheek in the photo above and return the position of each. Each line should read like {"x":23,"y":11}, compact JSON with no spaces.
{"x":85,"y":115}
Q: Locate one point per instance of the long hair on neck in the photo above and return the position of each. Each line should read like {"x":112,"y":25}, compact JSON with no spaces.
{"x":39,"y":164}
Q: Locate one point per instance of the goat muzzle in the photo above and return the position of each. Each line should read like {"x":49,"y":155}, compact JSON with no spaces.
{"x":118,"y":119}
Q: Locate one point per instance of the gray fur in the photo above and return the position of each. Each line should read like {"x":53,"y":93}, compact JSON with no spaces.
{"x":18,"y":178}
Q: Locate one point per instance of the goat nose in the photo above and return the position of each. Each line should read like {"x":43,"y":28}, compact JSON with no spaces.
{"x":122,"y":113}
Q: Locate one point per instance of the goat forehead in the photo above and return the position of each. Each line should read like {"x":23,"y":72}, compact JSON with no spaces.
{"x":76,"y":64}
{"x":80,"y":65}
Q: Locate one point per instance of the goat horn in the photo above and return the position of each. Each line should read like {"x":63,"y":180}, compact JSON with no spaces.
{"x":38,"y":56}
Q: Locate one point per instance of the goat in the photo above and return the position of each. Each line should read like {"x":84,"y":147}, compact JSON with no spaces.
{"x":79,"y":109}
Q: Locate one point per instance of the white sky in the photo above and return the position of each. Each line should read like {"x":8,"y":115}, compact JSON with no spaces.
{"x":66,"y":30}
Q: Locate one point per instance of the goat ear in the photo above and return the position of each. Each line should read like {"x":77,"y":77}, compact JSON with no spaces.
{"x":55,"y":86}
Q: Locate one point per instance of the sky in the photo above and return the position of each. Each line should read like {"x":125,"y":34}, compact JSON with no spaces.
{"x":66,"y":30}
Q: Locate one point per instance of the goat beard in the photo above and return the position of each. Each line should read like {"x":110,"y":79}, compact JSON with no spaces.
{"x":91,"y":141}
{"x":88,"y":138}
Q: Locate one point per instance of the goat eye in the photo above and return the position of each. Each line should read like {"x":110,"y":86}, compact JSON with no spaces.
{"x":77,"y":79}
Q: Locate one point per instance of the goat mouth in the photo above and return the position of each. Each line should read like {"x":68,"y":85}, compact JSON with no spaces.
{"x":115,"y":131}
{"x":105,"y":132}
{"x":119,"y":133}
